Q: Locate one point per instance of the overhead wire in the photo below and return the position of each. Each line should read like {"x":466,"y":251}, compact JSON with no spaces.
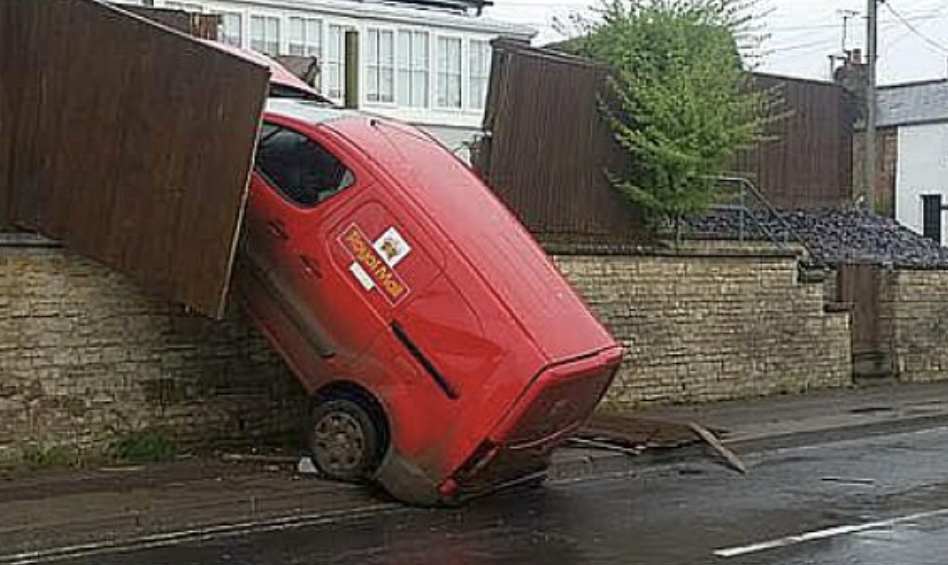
{"x":914,"y":30}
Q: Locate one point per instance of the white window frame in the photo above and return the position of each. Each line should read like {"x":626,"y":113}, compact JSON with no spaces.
{"x":191,"y":7}
{"x":439,"y":78}
{"x":267,"y":18}
{"x":377,"y":65}
{"x":413,"y":69}
{"x":311,"y":36}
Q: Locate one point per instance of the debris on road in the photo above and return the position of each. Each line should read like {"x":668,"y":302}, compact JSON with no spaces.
{"x":307,"y":467}
{"x":715,"y":444}
{"x":634,"y":434}
{"x":849,"y":481}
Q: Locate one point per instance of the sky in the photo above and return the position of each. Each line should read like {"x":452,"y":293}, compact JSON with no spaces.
{"x":803,"y":34}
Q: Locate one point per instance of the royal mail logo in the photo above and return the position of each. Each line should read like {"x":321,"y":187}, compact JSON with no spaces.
{"x":375,"y":262}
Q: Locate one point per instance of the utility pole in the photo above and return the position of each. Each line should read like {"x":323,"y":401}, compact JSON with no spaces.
{"x":872,"y":31}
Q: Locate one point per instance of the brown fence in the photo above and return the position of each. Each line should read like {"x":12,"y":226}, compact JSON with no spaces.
{"x":130,"y":143}
{"x":547,"y":148}
{"x":205,"y":26}
{"x":808,"y":162}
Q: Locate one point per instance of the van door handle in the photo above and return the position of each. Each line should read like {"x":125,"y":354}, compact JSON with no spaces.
{"x":277,"y":229}
{"x":311,"y":266}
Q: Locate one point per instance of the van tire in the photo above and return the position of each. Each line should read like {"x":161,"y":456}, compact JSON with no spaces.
{"x":344,"y":440}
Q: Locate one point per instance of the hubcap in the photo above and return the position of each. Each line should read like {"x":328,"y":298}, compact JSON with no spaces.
{"x":338,"y":443}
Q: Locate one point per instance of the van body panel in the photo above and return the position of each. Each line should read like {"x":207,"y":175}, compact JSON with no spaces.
{"x":483,"y":232}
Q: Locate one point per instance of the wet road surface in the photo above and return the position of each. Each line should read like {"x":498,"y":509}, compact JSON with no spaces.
{"x":880,"y":500}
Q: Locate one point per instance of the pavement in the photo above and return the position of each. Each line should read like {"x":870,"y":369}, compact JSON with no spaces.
{"x":51,"y":515}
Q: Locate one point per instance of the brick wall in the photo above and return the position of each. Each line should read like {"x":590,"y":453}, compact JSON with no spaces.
{"x":914,"y":309}
{"x":86,"y":356}
{"x":714,"y":326}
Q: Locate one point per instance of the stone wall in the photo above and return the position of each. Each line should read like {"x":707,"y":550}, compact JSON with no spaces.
{"x":708,"y":326}
{"x":87,"y":356}
{"x":914,"y":311}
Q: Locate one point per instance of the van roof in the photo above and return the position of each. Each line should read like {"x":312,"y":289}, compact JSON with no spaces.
{"x":309,"y":111}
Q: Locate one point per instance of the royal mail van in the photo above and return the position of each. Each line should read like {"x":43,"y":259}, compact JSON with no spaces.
{"x":444,"y":353}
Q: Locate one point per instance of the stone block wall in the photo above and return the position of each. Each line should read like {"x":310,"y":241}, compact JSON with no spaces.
{"x":914,"y":316}
{"x":87,"y":356}
{"x":705,"y":326}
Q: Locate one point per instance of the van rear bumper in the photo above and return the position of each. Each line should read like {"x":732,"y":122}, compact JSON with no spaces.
{"x":548,"y":413}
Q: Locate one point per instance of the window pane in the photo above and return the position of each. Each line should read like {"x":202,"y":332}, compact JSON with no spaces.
{"x":372,"y":46}
{"x":420,"y":51}
{"x":380,"y":66}
{"x":273,"y":36}
{"x":314,"y":38}
{"x":387,"y":49}
{"x":256,"y":33}
{"x":419,"y":92}
{"x":449,"y":72}
{"x":387,"y":64}
{"x":387,"y":86}
{"x":232,"y":29}
{"x":334,"y":67}
{"x":404,"y":49}
{"x":294,"y":34}
{"x":301,"y":169}
{"x":479,"y":69}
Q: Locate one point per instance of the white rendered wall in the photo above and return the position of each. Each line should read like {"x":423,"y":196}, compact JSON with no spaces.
{"x":922,"y":169}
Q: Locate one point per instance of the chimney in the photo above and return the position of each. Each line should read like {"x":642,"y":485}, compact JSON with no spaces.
{"x":854,"y":77}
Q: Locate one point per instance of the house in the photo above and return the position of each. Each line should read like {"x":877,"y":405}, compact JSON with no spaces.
{"x":913,"y":126}
{"x":426,"y":62}
{"x":909,"y":183}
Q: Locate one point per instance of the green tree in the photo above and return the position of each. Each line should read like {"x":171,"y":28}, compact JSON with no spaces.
{"x":680,"y":100}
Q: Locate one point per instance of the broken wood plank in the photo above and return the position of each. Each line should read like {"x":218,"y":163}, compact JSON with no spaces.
{"x":715,"y":443}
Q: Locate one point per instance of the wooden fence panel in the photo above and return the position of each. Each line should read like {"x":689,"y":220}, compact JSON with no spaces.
{"x":808,"y":161}
{"x":548,"y":148}
{"x":205,"y":26}
{"x":129,"y":142}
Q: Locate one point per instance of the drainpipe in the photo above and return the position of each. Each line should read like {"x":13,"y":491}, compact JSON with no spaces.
{"x":352,"y":69}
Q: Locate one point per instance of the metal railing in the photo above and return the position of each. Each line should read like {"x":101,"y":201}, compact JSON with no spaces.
{"x":750,"y":203}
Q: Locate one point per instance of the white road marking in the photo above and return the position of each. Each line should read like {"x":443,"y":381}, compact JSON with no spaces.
{"x":210,"y":533}
{"x":827,"y":533}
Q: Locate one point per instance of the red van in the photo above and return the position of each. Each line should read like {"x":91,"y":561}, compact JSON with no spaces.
{"x":444,"y":353}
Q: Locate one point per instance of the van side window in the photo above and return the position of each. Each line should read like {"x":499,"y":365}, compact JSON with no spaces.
{"x":301,"y":169}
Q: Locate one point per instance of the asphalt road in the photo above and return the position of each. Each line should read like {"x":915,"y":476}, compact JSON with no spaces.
{"x":880,"y":500}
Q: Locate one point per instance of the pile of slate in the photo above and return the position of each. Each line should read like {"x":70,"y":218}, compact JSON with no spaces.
{"x":833,"y":236}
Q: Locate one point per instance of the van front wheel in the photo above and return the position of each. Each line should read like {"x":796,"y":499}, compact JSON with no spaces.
{"x":344,"y":440}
